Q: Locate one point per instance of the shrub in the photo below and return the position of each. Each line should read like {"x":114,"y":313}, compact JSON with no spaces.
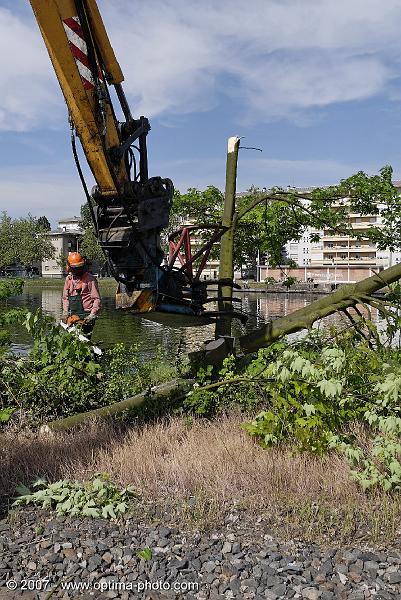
{"x":62,"y":375}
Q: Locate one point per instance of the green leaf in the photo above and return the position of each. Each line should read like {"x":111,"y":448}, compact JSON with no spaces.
{"x":22,"y":490}
{"x":331,"y":387}
{"x":108,"y":511}
{"x":146,"y":554}
{"x":90,"y":512}
{"x":309,"y":409}
{"x":6,"y":414}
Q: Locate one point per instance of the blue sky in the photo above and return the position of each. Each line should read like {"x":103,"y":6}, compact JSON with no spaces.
{"x":315,"y":84}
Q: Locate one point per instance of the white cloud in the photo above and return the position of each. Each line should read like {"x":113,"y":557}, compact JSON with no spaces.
{"x":57,"y":193}
{"x":29,"y":93}
{"x":40,"y":192}
{"x":278,"y":58}
{"x":263,"y":172}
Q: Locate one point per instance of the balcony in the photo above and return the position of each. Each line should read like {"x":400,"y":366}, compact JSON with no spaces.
{"x":335,"y":249}
{"x":351,"y":260}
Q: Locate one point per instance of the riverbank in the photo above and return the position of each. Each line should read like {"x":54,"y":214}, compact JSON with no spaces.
{"x":212,"y":507}
{"x":193,"y":472}
{"x":106,"y":284}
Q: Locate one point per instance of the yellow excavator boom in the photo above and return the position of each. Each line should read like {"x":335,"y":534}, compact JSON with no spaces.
{"x":83,"y":58}
{"x":129,"y":209}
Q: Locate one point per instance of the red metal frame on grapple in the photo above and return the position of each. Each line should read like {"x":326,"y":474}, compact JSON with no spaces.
{"x":181,"y":240}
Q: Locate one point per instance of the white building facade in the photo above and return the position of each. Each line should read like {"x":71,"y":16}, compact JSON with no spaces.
{"x":65,"y":238}
{"x":336,"y":258}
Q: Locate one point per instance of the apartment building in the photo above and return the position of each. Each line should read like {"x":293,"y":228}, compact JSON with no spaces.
{"x":304,"y":252}
{"x":65,"y":239}
{"x":336,"y":258}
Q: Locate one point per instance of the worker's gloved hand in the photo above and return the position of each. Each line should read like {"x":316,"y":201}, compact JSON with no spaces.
{"x":90,"y":318}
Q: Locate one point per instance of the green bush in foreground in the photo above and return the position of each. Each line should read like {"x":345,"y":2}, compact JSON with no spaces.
{"x":97,"y":497}
{"x":310,"y":394}
{"x":62,"y":375}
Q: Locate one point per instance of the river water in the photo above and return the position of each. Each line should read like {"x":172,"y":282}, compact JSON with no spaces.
{"x":175,"y":334}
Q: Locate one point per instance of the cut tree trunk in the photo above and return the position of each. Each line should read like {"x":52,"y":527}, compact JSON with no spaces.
{"x":226,"y":267}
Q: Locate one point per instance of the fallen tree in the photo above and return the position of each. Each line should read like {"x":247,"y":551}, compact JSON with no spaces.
{"x":172,"y":390}
{"x":347,"y":296}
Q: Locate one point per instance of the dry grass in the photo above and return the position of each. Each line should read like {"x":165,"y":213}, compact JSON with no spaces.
{"x":199,"y":473}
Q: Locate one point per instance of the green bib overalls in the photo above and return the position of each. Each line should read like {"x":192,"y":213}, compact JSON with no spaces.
{"x":75,"y":307}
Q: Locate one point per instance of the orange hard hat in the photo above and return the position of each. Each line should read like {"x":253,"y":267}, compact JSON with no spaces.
{"x":75,"y":259}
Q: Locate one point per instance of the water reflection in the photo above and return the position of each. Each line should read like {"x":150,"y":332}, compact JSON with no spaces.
{"x":51,"y":303}
{"x":176,"y":334}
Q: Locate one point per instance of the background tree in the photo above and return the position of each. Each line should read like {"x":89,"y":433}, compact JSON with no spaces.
{"x":267,"y":221}
{"x":284,"y":215}
{"x":23,"y":241}
{"x":195,"y":206}
{"x":7,"y":246}
{"x":44,"y":223}
{"x":89,"y":245}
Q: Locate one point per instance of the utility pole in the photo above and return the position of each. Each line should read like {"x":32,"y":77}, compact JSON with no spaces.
{"x":226,"y":267}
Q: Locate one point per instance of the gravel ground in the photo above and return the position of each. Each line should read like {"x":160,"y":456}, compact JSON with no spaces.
{"x":237,"y":560}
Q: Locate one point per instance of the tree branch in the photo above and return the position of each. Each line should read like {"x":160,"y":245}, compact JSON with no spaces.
{"x":280,"y":197}
{"x":344,"y":297}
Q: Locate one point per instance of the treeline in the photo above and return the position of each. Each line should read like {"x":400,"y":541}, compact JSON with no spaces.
{"x":24,"y":240}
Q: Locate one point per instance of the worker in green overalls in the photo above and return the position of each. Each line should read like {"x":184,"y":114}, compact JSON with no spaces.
{"x":81,"y":297}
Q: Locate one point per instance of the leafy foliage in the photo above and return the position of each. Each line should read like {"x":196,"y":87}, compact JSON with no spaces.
{"x":128,"y":372}
{"x":89,"y":245}
{"x":23,"y":240}
{"x":289,"y":281}
{"x":312,"y":394}
{"x":97,"y":497}
{"x":203,"y":207}
{"x":8,"y":288}
{"x":62,"y":375}
{"x":283,"y":215}
{"x":309,"y":393}
{"x":266,"y":221}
